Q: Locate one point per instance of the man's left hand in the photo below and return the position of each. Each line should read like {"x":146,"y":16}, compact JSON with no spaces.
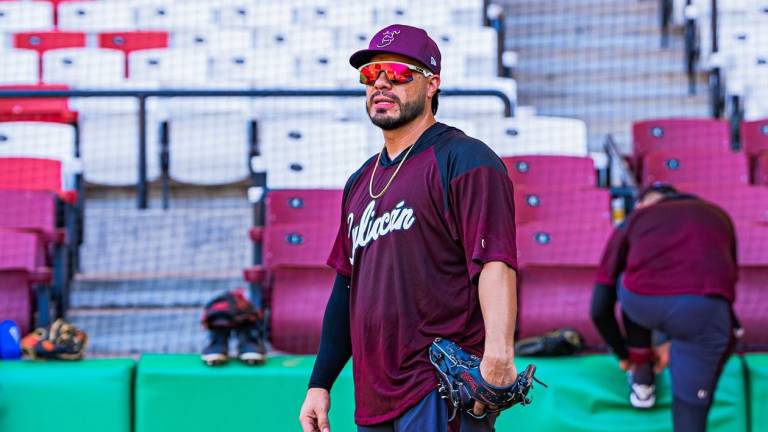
{"x":496,"y":371}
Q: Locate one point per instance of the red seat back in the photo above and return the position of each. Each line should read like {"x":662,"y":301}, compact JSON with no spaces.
{"x":680,"y":134}
{"x":754,"y":136}
{"x":48,"y":40}
{"x":751,"y":306}
{"x":560,"y":243}
{"x":30,"y":174}
{"x":761,"y":169}
{"x":742,"y":203}
{"x":579,"y":205}
{"x":753,"y":245}
{"x":131,"y":41}
{"x":19,"y":251}
{"x":28,"y":210}
{"x":298,"y":245}
{"x":696,"y":167}
{"x":54,"y":110}
{"x":304,"y":206}
{"x":551,"y":171}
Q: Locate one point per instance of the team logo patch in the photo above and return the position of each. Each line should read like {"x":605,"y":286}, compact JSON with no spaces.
{"x":388,"y":38}
{"x":433,"y":61}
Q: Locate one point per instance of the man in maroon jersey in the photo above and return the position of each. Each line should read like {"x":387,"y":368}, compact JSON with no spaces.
{"x":673,"y":267}
{"x":426,"y":249}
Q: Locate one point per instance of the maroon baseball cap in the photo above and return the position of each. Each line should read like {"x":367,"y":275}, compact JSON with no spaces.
{"x":401,"y":39}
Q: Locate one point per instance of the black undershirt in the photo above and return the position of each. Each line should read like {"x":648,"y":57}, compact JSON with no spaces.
{"x":335,"y":340}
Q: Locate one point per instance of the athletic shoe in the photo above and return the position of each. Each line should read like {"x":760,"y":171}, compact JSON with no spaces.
{"x":642,"y":386}
{"x":250,"y":347}
{"x":216,"y":353}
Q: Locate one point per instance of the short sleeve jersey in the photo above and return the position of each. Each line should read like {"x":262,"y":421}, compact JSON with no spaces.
{"x":414,"y":256}
{"x":680,"y":245}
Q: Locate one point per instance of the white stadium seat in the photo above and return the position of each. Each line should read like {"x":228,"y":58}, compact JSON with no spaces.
{"x":250,"y":68}
{"x":96,"y":16}
{"x":352,"y":38}
{"x":464,"y":13}
{"x":310,"y":155}
{"x":183,"y":15}
{"x":83,"y":67}
{"x":333,"y":68}
{"x":295,"y":40}
{"x":18,"y":16}
{"x":252,"y":14}
{"x":534,"y":135}
{"x":298,"y":108}
{"x":42,"y":140}
{"x":18,"y":67}
{"x":209,"y":148}
{"x":476,"y":48}
{"x":171,"y":68}
{"x":477,"y":106}
{"x":213,"y":41}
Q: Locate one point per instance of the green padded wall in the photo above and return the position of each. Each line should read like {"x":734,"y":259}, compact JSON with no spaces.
{"x":757,"y":364}
{"x":590,"y":393}
{"x":180,"y":393}
{"x":82,"y":396}
{"x":586,"y":393}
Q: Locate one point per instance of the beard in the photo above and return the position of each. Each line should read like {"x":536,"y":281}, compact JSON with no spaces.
{"x":408,"y":112}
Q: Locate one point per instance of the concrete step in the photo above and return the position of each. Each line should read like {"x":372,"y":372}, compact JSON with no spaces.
{"x":562,"y":42}
{"x":560,"y":7}
{"x":218,"y":197}
{"x":587,"y":23}
{"x":116,"y":332}
{"x":129,"y":291}
{"x":154,"y":241}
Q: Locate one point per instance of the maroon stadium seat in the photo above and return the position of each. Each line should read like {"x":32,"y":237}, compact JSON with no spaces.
{"x":696,"y":167}
{"x":131,"y":41}
{"x":299,"y":282}
{"x":743,"y":203}
{"x":54,"y":110}
{"x":754,"y":136}
{"x":32,"y":211}
{"x":304,"y":205}
{"x":680,"y":134}
{"x":546,"y":204}
{"x":752,"y":288}
{"x":557,"y":274}
{"x":20,"y":268}
{"x":761,"y":169}
{"x":46,"y":41}
{"x":567,"y":172}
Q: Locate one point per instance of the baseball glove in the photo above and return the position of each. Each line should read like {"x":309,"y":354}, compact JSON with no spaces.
{"x":462,"y":385}
{"x":230,"y":310}
{"x":61,"y":341}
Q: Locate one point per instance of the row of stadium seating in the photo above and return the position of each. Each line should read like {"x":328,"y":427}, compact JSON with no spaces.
{"x":228,"y":14}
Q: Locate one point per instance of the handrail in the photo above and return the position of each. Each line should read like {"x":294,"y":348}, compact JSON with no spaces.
{"x":143,"y":94}
{"x":627,"y":176}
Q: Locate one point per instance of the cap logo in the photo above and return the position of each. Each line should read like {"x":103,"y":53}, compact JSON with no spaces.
{"x":433,"y":61}
{"x":388,"y":38}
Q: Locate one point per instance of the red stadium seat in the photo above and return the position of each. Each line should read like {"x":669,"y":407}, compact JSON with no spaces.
{"x":743,"y":203}
{"x":695,"y":167}
{"x":34,"y":174}
{"x":32,"y":211}
{"x":20,"y":268}
{"x":46,"y":41}
{"x":304,"y":205}
{"x":298,"y":244}
{"x":557,"y":275}
{"x":761,"y":169}
{"x":54,"y":110}
{"x":752,"y":288}
{"x":567,"y":172}
{"x":128,"y":42}
{"x":545,"y":204}
{"x":680,"y":134}
{"x":754,"y":136}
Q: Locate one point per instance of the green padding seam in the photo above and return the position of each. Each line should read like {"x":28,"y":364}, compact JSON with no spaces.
{"x":82,"y":396}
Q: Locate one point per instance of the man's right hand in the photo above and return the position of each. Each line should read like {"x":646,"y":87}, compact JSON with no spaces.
{"x":314,"y":413}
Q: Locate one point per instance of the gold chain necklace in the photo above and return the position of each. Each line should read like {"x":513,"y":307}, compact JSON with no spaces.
{"x":373,"y":174}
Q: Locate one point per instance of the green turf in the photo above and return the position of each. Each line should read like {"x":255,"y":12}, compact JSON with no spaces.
{"x":82,"y":396}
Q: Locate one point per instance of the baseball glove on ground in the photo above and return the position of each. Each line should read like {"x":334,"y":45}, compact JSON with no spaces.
{"x":461,"y":383}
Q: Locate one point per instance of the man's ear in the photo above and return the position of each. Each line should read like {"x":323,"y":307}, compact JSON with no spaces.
{"x":434,"y":85}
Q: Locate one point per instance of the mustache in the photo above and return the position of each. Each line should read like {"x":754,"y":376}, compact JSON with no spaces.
{"x":388,"y":95}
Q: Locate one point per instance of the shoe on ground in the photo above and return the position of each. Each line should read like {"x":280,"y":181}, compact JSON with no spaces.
{"x":250,"y":347}
{"x":642,"y":386}
{"x":216,"y":352}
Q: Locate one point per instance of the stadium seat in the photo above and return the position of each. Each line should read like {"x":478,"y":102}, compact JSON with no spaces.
{"x":18,"y":67}
{"x":751,"y":302}
{"x":174,"y":16}
{"x":743,"y":203}
{"x":249,"y":15}
{"x":534,"y":135}
{"x":558,"y":262}
{"x":30,"y":211}
{"x":21,"y":266}
{"x":754,"y":136}
{"x":680,"y":134}
{"x":18,"y":16}
{"x":129,"y":42}
{"x":33,"y":174}
{"x":96,"y":16}
{"x":84,"y":67}
{"x":169,"y":68}
{"x":55,"y":110}
{"x":294,"y":40}
{"x":312,"y":155}
{"x":464,"y":13}
{"x":245,"y":69}
{"x":209,"y":148}
{"x":477,"y":48}
{"x":761,"y":169}
{"x":42,"y":42}
{"x":42,"y":140}
{"x":680,"y":166}
{"x":295,"y":256}
{"x":213,"y":41}
{"x":538,"y":204}
{"x":565,"y":172}
{"x":341,"y":14}
{"x":353,"y":37}
{"x":304,"y":206}
{"x":333,"y":70}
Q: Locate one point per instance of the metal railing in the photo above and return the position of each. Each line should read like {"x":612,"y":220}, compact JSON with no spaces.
{"x":142,"y":191}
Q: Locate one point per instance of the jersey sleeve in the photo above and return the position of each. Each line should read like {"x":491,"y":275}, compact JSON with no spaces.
{"x":614,"y":258}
